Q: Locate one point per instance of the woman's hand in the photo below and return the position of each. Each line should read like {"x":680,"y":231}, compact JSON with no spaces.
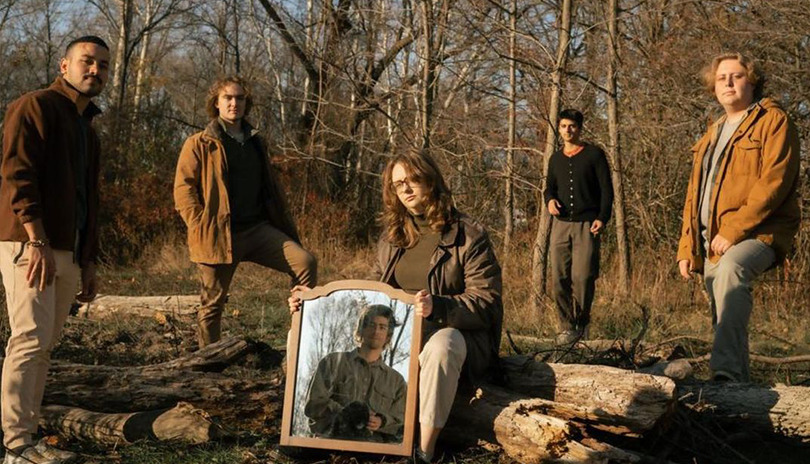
{"x":424,"y":303}
{"x":294,"y":301}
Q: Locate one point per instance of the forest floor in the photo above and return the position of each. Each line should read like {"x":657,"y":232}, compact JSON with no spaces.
{"x":257,"y":311}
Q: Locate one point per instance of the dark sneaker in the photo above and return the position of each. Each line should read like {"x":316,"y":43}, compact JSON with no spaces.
{"x":723,"y":376}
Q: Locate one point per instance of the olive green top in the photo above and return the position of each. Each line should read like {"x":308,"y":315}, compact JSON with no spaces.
{"x":345,"y":377}
{"x":413,"y":267}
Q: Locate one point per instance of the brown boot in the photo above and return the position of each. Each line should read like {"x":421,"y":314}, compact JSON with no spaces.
{"x":209,"y":331}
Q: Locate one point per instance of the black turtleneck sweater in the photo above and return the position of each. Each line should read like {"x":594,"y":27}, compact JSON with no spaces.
{"x":411,"y":272}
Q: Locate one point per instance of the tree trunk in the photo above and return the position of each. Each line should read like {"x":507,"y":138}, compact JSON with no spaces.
{"x":509,"y":206}
{"x":779,"y":410}
{"x":194,"y":379}
{"x":614,"y":150}
{"x":540,"y":254}
{"x":143,"y":306}
{"x":181,"y":423}
{"x":140,"y":77}
{"x":428,"y":71}
{"x":629,"y":402}
{"x":119,"y":71}
{"x":521,"y":426}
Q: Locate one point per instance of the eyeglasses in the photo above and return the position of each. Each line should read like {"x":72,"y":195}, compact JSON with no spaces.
{"x":410,"y":183}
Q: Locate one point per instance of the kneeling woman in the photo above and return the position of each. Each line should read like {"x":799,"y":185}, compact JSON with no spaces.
{"x":447,"y":260}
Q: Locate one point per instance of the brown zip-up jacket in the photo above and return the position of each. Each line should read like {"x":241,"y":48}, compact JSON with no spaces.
{"x":465,"y":281}
{"x":201,"y":196}
{"x":755,"y":192}
{"x":40,"y":141}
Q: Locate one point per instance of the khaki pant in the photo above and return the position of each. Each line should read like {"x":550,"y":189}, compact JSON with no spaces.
{"x":261,"y":244}
{"x":574,"y":270}
{"x":729,"y":286}
{"x":36,"y":319}
{"x":440,"y":364}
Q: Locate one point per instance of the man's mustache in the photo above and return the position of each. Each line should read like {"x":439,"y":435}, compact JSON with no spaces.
{"x":91,"y":76}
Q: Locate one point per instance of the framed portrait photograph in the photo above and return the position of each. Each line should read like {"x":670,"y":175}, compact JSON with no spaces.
{"x":352,"y":369}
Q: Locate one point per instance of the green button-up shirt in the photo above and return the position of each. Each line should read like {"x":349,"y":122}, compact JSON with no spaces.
{"x":344,"y":377}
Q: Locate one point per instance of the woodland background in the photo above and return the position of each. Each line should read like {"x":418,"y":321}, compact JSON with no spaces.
{"x":341,"y":85}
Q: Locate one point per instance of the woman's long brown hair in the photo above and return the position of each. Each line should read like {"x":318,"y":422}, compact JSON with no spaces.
{"x":421,"y":168}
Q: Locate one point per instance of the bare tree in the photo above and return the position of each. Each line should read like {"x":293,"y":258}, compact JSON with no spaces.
{"x":614,"y":148}
{"x":541,"y":242}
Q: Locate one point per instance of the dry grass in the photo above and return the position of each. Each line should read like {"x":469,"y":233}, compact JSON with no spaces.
{"x":257,"y":309}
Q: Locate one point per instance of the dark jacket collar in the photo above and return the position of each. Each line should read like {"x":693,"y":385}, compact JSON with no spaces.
{"x":63,"y":87}
{"x":450,"y":232}
{"x":214,"y":129}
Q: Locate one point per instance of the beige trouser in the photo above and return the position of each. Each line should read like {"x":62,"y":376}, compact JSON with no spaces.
{"x":36,"y":319}
{"x":440,"y":365}
{"x":261,"y":244}
{"x":729,"y":286}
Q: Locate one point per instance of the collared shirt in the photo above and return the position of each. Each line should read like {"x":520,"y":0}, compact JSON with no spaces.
{"x":345,"y":377}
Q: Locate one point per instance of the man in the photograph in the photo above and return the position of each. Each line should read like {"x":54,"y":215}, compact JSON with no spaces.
{"x":742,"y":204}
{"x":579,"y":196}
{"x":233,"y":204}
{"x":49,"y":201}
{"x":355,"y":394}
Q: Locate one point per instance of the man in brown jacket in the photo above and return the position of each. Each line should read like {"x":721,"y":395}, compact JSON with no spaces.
{"x":48,"y":231}
{"x":742,"y":209}
{"x":235,"y":209}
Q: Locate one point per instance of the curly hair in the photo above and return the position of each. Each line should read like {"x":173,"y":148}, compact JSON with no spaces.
{"x":754,"y":73}
{"x":217,"y":86}
{"x":422,"y":168}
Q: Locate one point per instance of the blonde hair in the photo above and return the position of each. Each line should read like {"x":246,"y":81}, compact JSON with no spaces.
{"x":420,"y":167}
{"x":217,"y":86}
{"x":754,"y":73}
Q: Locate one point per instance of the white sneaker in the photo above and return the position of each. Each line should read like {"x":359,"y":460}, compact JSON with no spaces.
{"x":56,"y":454}
{"x":28,"y":455}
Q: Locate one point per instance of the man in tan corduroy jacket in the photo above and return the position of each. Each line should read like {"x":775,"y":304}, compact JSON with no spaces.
{"x":742,"y":210}
{"x":233,"y":204}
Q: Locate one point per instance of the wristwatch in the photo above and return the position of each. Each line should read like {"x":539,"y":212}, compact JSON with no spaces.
{"x":39,"y":243}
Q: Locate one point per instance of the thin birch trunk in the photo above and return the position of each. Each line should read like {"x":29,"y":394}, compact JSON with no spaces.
{"x":541,"y":242}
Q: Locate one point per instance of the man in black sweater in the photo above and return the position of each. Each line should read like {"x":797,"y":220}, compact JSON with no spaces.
{"x":579,"y":196}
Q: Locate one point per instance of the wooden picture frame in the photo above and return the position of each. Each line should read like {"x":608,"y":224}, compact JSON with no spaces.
{"x":328,"y":324}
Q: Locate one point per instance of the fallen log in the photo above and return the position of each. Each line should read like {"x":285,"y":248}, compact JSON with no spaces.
{"x":193,"y":378}
{"x":615,"y":397}
{"x":522,"y":427}
{"x":182,"y":423}
{"x":143,"y":306}
{"x":781,"y":410}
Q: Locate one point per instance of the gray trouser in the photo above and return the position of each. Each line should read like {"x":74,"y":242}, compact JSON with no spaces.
{"x":574,"y":270}
{"x":729,"y":286}
{"x":440,"y":364}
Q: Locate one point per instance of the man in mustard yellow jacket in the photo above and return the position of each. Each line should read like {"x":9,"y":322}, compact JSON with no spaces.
{"x":742,"y":206}
{"x":235,"y":209}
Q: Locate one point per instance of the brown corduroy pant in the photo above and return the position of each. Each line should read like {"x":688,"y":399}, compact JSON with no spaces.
{"x":261,"y":244}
